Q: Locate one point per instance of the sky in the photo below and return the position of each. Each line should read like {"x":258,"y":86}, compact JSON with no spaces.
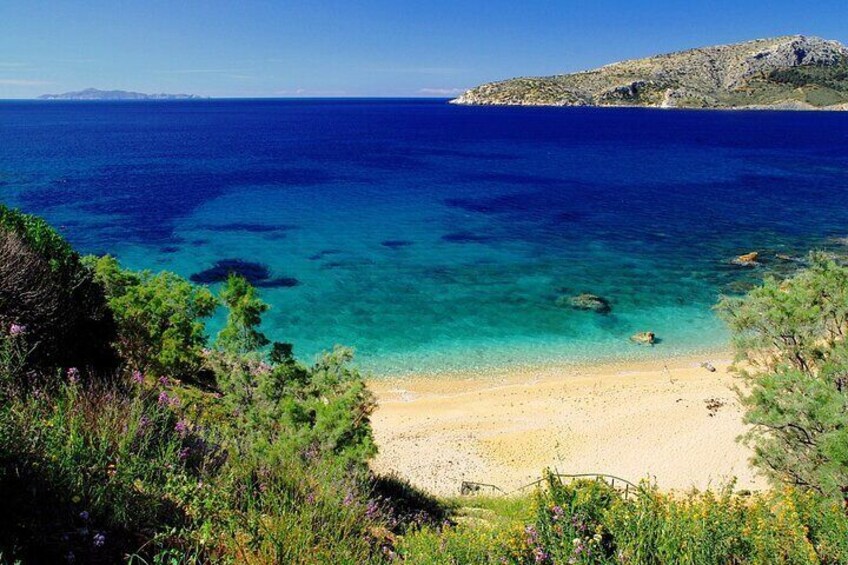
{"x":317,"y":48}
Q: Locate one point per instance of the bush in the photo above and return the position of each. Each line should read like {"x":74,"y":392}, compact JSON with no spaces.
{"x":49,"y":299}
{"x":790,"y":337}
{"x":159,"y":317}
{"x":244,"y":315}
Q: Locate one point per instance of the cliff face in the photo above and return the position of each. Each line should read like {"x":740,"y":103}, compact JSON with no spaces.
{"x":792,"y":72}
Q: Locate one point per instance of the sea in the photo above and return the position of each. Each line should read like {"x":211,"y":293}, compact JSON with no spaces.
{"x":436,"y":238}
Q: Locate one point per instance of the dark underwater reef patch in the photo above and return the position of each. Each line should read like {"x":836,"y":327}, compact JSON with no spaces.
{"x":257,"y":274}
{"x":248,"y":227}
{"x":540,"y":203}
{"x":395,"y":243}
{"x":512,"y":178}
{"x":466,"y":237}
{"x":324,"y":253}
{"x":149,"y":199}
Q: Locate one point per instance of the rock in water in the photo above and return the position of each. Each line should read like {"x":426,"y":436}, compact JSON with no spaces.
{"x":644,"y":338}
{"x":747,"y":260}
{"x":587,"y":301}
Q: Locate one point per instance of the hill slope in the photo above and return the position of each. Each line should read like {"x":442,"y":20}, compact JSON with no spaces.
{"x":791,"y":72}
{"x":95,"y":94}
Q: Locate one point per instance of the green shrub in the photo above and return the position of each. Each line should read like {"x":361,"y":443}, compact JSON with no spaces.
{"x":244,"y":315}
{"x":49,"y":299}
{"x":159,"y":317}
{"x":790,"y":336}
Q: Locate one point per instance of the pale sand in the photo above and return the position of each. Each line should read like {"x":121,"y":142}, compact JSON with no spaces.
{"x":633,"y":420}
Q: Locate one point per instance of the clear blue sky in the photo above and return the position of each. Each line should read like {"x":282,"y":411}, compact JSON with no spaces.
{"x":361,"y":48}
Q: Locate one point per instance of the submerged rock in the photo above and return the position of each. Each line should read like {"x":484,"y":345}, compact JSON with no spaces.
{"x":587,"y":301}
{"x":257,"y":274}
{"x":747,"y":260}
{"x":644,"y":338}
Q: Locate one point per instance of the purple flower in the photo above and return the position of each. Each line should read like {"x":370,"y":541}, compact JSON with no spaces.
{"x":137,"y":376}
{"x":163,"y":381}
{"x":164,"y":399}
{"x":73,"y":375}
{"x":84,"y":515}
{"x":557,"y":513}
{"x":184,"y":453}
{"x":310,"y":498}
{"x":143,"y":422}
{"x":99,"y":539}
{"x":348,"y":499}
{"x":372,"y":510}
{"x":540,"y":555}
{"x":17,"y":329}
{"x":532,"y":534}
{"x":181,"y":427}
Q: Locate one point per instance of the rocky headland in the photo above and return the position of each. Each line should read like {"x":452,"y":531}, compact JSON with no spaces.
{"x":789,"y":73}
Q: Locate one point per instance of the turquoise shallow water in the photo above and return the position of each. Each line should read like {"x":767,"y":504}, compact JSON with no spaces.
{"x":433,"y":237}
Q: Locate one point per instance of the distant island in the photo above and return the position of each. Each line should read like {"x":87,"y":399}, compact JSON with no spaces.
{"x":791,"y":72}
{"x":95,"y":94}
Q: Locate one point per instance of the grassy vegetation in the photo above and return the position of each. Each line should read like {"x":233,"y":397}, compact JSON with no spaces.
{"x":159,"y":446}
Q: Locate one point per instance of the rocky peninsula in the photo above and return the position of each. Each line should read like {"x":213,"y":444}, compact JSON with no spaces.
{"x":790,"y":73}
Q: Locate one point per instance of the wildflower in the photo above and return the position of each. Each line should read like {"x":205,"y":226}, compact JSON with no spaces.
{"x":99,"y":539}
{"x":17,"y":329}
{"x":164,"y":399}
{"x":83,"y":515}
{"x":73,"y":375}
{"x":143,"y":422}
{"x":181,"y":427}
{"x":557,"y":512}
{"x":137,"y":376}
{"x":184,"y":453}
{"x":310,"y":498}
{"x":163,"y":381}
{"x":348,"y":499}
{"x":540,"y":555}
{"x":372,"y":510}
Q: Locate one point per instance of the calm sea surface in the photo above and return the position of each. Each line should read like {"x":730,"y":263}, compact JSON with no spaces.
{"x":433,"y":237}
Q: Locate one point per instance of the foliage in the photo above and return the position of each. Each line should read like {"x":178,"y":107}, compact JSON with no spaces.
{"x":267,"y":465}
{"x":790,"y":336}
{"x":48,"y":298}
{"x":244,"y":315}
{"x":159,"y":316}
{"x":589,"y":522}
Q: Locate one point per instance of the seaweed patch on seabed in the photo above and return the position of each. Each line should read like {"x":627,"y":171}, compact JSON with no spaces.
{"x":395,"y":243}
{"x":466,"y":237}
{"x":324,"y":253}
{"x":256,"y":274}
{"x":248,"y":227}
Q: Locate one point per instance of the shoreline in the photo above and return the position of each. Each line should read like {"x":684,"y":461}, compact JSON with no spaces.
{"x":640,"y":419}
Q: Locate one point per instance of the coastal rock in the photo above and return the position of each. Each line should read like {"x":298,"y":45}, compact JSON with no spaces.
{"x":587,"y":301}
{"x":747,"y":260}
{"x":793,"y":72}
{"x":644,"y":338}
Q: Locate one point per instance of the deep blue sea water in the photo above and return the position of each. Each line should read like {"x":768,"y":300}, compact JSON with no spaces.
{"x":434,"y":237}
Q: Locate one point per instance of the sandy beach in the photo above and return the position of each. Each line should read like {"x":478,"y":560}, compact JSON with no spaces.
{"x":633,"y":420}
